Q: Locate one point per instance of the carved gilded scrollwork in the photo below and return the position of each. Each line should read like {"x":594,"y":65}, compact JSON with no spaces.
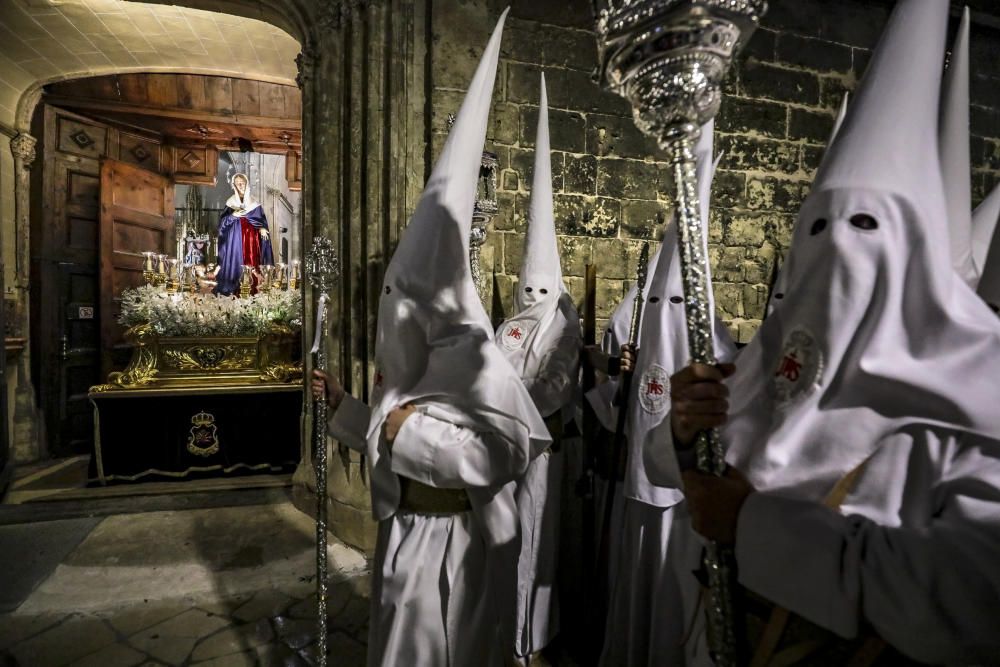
{"x":192,"y":362}
{"x":210,"y":357}
{"x":141,"y":369}
{"x":279,"y":372}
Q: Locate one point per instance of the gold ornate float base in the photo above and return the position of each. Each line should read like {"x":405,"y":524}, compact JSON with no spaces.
{"x":176,"y":362}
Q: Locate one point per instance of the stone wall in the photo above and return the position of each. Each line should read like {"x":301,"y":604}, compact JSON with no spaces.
{"x":612,"y":186}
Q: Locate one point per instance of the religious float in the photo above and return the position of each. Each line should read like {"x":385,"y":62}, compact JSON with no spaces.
{"x":214,"y":383}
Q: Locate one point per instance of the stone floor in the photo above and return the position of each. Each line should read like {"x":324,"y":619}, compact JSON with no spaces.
{"x":214,"y":587}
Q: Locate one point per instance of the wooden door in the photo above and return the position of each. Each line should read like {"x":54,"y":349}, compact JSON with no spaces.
{"x":137,"y":215}
{"x":66,"y":310}
{"x":65,"y":255}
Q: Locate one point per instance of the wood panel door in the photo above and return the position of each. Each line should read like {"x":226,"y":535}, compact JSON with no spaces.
{"x":137,"y":215}
{"x":65,"y":256}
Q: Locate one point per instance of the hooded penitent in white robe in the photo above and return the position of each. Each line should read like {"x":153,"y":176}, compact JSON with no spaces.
{"x":542,"y":342}
{"x":443,"y":584}
{"x":602,"y":397}
{"x":881,"y":362}
{"x":956,"y":165}
{"x":653,"y":551}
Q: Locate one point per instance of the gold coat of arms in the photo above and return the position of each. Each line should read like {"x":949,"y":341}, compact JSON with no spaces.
{"x":204,"y":440}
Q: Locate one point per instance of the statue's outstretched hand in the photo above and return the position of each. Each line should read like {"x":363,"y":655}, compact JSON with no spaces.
{"x":264,"y":233}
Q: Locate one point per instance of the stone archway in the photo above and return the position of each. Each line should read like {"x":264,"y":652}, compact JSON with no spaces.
{"x":45,"y":42}
{"x":362,"y":70}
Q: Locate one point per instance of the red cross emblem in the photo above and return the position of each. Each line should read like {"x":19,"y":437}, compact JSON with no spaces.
{"x":654,"y":388}
{"x":790,"y":367}
{"x":515,"y":333}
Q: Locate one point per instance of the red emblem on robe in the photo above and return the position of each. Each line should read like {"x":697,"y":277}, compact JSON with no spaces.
{"x":790,"y":367}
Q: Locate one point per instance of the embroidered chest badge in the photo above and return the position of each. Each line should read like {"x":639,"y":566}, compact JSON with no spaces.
{"x":654,"y":389}
{"x":799,"y":367}
{"x":513,"y":334}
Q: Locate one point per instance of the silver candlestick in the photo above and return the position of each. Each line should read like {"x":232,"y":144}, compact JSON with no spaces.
{"x":322,"y":269}
{"x":669,"y":58}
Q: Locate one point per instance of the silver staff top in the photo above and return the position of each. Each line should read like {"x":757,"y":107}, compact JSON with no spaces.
{"x":668,"y":58}
{"x":322,"y":265}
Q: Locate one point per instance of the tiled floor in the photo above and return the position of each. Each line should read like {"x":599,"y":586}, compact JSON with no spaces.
{"x":221,"y":587}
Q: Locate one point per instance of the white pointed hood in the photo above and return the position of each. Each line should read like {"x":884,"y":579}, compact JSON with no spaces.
{"x":956,"y":166}
{"x":876,"y":333}
{"x":546,"y":314}
{"x":620,"y":322}
{"x":435,"y":343}
{"x":984,"y":224}
{"x":541,"y":276}
{"x":664,"y":350}
{"x":778,"y":288}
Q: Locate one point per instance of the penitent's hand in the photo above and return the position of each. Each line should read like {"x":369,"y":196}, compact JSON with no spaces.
{"x":627,"y":358}
{"x":698,"y":401}
{"x":324,"y":384}
{"x":715,"y":503}
{"x":395,"y":420}
{"x":264,"y":234}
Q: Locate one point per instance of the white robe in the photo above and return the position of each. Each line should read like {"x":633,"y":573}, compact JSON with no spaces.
{"x":538,"y":507}
{"x":653,"y":615}
{"x":913,"y":550}
{"x":441,"y":595}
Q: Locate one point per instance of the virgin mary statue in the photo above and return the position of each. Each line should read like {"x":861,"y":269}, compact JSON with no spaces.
{"x":244,"y":239}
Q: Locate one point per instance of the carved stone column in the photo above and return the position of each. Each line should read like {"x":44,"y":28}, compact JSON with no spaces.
{"x":27,"y":445}
{"x":23,"y":148}
{"x":364,"y":159}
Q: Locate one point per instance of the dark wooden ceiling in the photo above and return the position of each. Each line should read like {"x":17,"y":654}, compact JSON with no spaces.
{"x":190,"y":108}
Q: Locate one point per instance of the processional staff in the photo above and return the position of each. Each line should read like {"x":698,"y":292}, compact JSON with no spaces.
{"x":618,"y":445}
{"x":322,"y":268}
{"x":668,"y":58}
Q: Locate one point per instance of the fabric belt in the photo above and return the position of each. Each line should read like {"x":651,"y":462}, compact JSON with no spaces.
{"x":420,"y":498}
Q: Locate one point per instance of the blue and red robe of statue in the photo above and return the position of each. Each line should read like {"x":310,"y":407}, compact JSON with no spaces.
{"x":240,"y":243}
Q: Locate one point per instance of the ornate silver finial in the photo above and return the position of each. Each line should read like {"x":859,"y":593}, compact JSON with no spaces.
{"x":668,"y":58}
{"x":322,"y":265}
{"x":643,"y":266}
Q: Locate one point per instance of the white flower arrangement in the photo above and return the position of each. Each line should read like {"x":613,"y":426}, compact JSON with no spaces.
{"x":209,"y":315}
